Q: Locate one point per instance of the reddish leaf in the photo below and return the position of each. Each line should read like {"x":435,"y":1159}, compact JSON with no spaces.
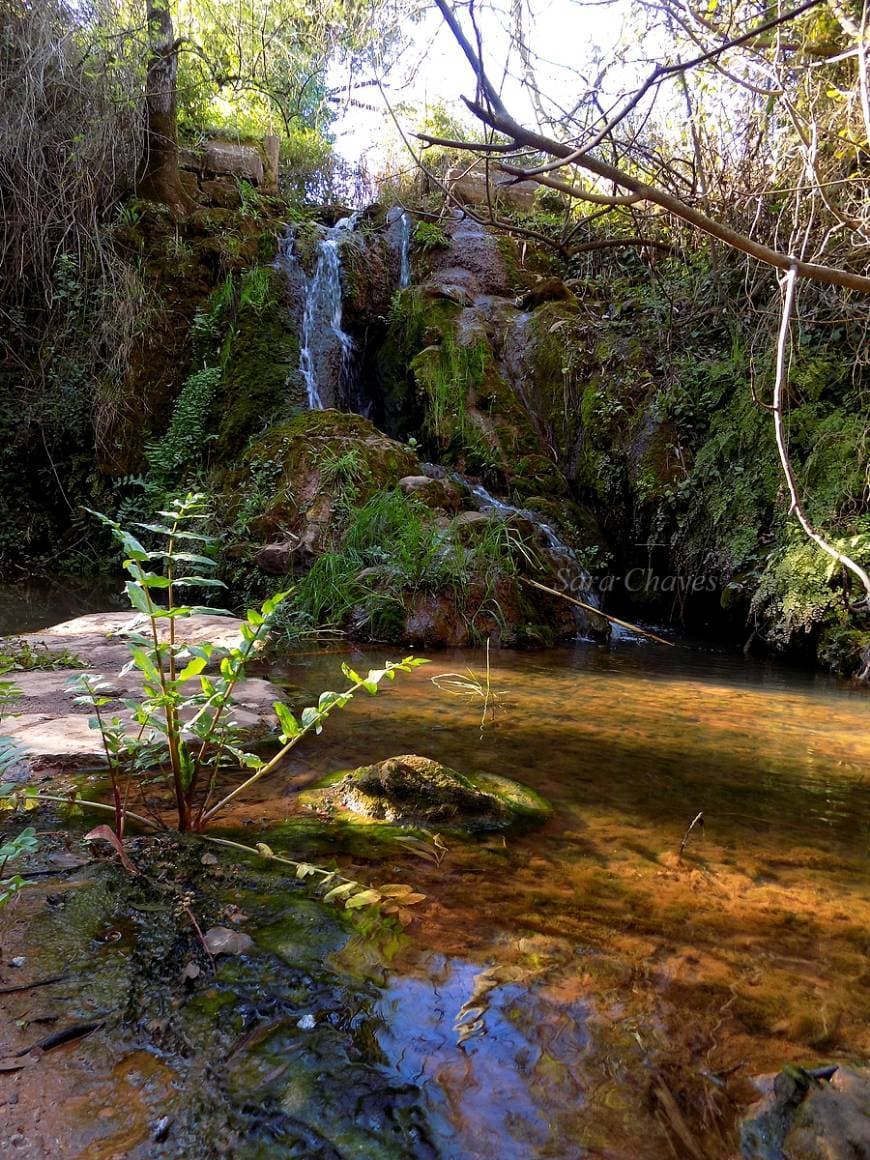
{"x":109,"y":835}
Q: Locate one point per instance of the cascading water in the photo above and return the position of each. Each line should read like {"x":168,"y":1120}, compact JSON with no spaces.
{"x":399,"y":234}
{"x":326,"y":354}
{"x":575,"y":579}
{"x":323,"y":307}
{"x":405,"y":251}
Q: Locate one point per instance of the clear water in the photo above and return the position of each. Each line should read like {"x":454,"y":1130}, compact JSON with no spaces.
{"x":557,"y":982}
{"x":581,"y":989}
{"x":32,"y":604}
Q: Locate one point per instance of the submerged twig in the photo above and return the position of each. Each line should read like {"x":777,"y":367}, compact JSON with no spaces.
{"x":697,"y":820}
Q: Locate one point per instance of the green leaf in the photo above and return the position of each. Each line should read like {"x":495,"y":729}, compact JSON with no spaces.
{"x":192,"y":558}
{"x":152,"y":580}
{"x":193,"y":668}
{"x":311,"y":716}
{"x":290,"y":727}
{"x":200,"y":582}
{"x":133,"y":550}
{"x":144,"y":662}
{"x":137,"y":597}
{"x":269,"y":606}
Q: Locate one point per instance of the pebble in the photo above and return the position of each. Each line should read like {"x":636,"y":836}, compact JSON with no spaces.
{"x":18,"y":961}
{"x":307,"y":1022}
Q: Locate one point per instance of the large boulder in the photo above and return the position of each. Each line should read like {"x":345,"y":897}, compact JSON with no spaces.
{"x":226,"y":158}
{"x":469,"y":187}
{"x":411,"y":790}
{"x":317,"y":460}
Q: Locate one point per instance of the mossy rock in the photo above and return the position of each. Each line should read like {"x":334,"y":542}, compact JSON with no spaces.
{"x":318,"y":467}
{"x":410,"y":790}
{"x":260,"y":358}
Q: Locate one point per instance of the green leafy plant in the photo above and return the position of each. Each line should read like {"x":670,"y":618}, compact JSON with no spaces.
{"x":183,"y":733}
{"x":23,"y":843}
{"x":430,"y":236}
{"x":21,"y":656}
{"x":393,"y":548}
{"x":181,"y":447}
{"x":253,"y":205}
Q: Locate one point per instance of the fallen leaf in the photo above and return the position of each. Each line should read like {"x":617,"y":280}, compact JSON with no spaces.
{"x":220,"y":940}
{"x":109,"y":835}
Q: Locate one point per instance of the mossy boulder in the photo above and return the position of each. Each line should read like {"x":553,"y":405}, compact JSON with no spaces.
{"x":311,"y":471}
{"x":417,"y":791}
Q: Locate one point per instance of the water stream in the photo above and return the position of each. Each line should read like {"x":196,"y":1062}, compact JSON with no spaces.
{"x":554,"y":982}
{"x":327,"y":353}
{"x":572,"y":576}
{"x":405,"y":251}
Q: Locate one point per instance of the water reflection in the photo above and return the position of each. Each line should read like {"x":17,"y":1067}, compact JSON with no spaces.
{"x":33,"y":604}
{"x":561,"y":987}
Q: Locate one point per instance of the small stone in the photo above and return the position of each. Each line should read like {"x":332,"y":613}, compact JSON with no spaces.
{"x":18,"y":961}
{"x":191,"y":971}
{"x":161,"y":1129}
{"x":209,"y":860}
{"x":307,"y":1022}
{"x":220,"y":940}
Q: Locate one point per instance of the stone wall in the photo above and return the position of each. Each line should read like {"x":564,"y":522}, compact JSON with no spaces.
{"x":211,"y":173}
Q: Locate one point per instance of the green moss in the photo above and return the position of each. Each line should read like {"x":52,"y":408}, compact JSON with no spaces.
{"x":413,"y":790}
{"x":261,"y":360}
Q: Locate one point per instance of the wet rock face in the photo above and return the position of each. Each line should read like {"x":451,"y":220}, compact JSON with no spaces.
{"x":471,"y":260}
{"x":414,"y":790}
{"x":808,"y":1116}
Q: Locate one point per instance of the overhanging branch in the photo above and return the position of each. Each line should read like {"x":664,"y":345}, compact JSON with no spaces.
{"x":496,"y":116}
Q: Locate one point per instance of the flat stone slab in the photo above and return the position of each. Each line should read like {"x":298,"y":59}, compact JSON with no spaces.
{"x":53,"y":732}
{"x":99,"y":638}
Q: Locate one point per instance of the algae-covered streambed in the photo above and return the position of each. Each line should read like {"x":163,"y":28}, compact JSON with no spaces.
{"x":575,"y":989}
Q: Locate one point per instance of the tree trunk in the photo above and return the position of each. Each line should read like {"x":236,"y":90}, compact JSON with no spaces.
{"x":158,"y":174}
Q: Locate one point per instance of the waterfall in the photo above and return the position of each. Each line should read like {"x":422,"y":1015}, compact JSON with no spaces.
{"x":405,"y":251}
{"x":579,"y":582}
{"x":326,"y":353}
{"x":323,"y":308}
{"x":399,"y":224}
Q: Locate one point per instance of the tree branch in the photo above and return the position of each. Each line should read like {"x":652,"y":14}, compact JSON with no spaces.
{"x":790,"y":282}
{"x":572,"y":190}
{"x":497,"y":117}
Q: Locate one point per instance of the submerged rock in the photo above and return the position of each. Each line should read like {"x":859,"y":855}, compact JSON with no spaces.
{"x":414,"y":790}
{"x":810,"y":1115}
